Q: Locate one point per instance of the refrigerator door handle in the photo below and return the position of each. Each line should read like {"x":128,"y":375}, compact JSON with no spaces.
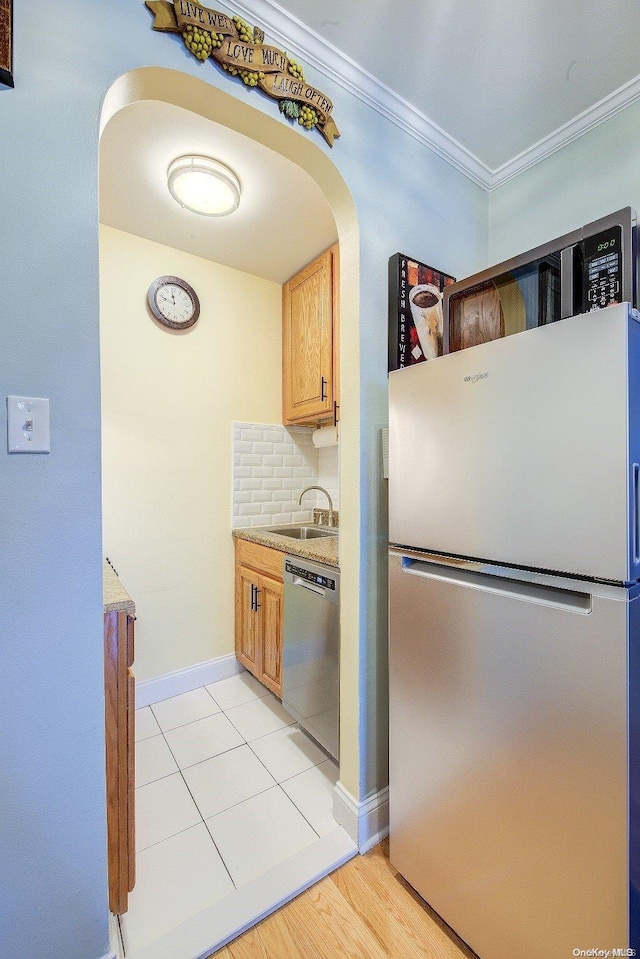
{"x":571,"y":600}
{"x":636,"y":513}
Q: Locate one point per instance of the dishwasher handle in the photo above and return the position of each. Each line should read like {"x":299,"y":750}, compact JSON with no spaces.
{"x":298,"y":581}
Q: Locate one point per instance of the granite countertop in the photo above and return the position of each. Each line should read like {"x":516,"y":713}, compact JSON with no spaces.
{"x":321,"y":550}
{"x":115,"y":596}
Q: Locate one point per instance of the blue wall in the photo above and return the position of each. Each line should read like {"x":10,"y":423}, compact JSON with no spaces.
{"x":53,"y":869}
{"x":595,"y":175}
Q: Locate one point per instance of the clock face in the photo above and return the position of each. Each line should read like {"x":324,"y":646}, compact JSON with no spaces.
{"x":173,"y":302}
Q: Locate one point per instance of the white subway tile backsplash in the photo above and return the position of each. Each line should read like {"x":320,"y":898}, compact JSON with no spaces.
{"x":280,"y":518}
{"x":272,"y":465}
{"x":249,"y":509}
{"x":262,"y":496}
{"x":261,"y":521}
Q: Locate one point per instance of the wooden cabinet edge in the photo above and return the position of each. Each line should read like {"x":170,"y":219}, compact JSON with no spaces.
{"x":119,"y":757}
{"x":335,"y":272}
{"x":111,"y":758}
{"x":131,"y":780}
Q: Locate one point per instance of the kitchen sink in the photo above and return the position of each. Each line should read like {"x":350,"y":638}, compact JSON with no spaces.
{"x":303,"y":532}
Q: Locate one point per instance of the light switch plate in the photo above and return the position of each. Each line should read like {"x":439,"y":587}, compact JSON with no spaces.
{"x":28,"y":424}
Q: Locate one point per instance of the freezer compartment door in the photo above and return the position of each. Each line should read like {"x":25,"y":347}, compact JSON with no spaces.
{"x":508,"y":758}
{"x":524,"y":450}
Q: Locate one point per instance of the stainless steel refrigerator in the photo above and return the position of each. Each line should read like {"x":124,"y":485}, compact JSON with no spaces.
{"x":514,"y":624}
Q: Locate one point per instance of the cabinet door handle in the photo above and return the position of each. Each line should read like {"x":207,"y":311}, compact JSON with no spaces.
{"x":336,"y":407}
{"x":253,"y":598}
{"x":323,"y":388}
{"x":258,"y":605}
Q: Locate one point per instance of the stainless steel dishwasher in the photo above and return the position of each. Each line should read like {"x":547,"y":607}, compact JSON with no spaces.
{"x":311,"y":653}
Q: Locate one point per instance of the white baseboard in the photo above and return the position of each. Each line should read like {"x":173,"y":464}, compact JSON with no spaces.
{"x":115,"y":939}
{"x":184,"y":680}
{"x":366,"y":823}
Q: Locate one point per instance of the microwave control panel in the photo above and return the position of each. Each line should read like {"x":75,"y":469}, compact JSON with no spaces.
{"x":602,"y":269}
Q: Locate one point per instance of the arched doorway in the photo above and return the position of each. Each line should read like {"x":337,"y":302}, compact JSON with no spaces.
{"x":188,"y":93}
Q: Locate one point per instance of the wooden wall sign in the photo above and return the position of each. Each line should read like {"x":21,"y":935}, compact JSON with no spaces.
{"x":240,"y":50}
{"x":6,"y":42}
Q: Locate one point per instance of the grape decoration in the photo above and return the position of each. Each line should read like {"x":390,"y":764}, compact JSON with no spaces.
{"x":244,"y":30}
{"x":251,"y":79}
{"x":296,"y":70}
{"x":308,"y":118}
{"x":199,"y":42}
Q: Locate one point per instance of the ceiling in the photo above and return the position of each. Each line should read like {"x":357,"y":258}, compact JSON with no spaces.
{"x":269,"y":235}
{"x":492,"y":85}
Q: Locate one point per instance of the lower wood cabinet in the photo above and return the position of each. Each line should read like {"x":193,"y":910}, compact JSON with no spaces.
{"x":258,"y":612}
{"x":120,"y":756}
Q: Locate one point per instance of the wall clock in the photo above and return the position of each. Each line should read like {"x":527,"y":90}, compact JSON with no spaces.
{"x":173,"y":302}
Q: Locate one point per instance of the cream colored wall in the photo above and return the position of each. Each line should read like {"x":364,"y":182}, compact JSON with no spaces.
{"x":168,"y":402}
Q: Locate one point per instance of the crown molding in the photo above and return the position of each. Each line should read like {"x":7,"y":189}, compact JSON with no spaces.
{"x":606,"y":108}
{"x":290,"y":33}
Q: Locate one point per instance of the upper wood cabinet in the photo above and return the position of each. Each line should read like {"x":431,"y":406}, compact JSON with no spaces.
{"x":310,"y":318}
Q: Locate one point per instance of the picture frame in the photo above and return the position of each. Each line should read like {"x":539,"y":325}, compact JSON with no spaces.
{"x":415,"y":311}
{"x":6,"y":42}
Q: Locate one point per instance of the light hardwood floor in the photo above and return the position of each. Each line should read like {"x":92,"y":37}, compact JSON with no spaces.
{"x":364,"y":910}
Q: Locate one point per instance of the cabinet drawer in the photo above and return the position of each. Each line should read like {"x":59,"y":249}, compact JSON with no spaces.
{"x":261,"y":558}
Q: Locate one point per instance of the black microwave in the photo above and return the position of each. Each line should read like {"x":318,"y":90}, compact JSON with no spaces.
{"x":592,"y":267}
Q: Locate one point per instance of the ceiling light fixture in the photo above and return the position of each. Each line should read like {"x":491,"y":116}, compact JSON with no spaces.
{"x":203,"y":185}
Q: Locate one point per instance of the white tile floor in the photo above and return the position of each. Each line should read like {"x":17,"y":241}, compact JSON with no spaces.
{"x":227,"y":787}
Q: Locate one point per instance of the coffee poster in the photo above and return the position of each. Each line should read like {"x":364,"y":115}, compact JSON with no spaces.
{"x":415,"y":311}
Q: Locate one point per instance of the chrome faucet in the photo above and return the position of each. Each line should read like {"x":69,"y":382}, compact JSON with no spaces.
{"x":322,"y":490}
